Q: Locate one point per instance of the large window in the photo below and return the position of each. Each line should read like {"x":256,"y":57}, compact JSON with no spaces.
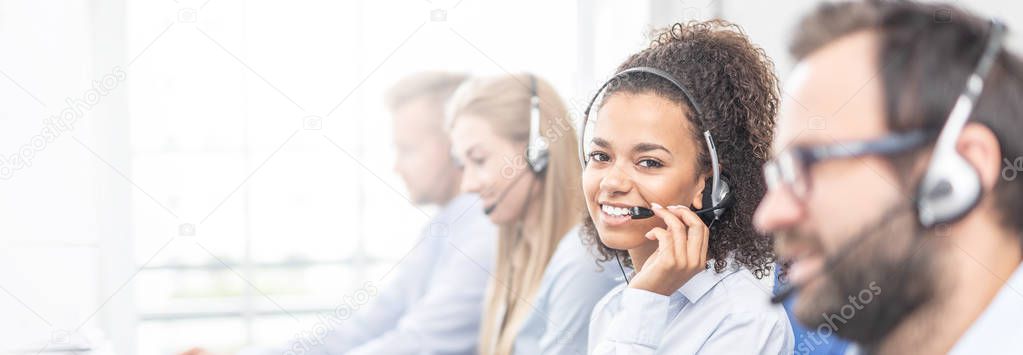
{"x":262,"y":157}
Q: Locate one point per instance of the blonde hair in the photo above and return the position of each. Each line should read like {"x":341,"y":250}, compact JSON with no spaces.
{"x":504,"y":102}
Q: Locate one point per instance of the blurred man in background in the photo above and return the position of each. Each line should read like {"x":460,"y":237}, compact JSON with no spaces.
{"x":864,"y":202}
{"x":433,"y":303}
{"x":433,"y":300}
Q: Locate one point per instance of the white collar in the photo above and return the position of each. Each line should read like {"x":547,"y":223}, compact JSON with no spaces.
{"x":703,"y":282}
{"x":999,"y":327}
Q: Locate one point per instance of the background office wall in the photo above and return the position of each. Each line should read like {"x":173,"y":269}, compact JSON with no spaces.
{"x":229,"y":175}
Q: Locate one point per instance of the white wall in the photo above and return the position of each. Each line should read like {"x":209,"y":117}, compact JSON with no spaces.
{"x":49,"y":243}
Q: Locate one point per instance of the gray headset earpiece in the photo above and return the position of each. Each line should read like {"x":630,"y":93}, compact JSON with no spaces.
{"x":537,"y":149}
{"x":949,"y":190}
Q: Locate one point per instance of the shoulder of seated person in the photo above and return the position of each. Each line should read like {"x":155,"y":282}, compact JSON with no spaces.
{"x":743,"y":293}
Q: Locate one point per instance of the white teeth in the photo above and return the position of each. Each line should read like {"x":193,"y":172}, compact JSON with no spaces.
{"x":615,"y":211}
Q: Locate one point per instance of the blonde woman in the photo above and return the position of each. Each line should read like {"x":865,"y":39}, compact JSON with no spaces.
{"x":545,"y":282}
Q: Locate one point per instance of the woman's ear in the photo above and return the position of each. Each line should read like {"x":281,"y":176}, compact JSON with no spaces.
{"x":701,"y":186}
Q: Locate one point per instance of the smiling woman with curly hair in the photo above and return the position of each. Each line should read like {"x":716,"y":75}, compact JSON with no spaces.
{"x":696,"y":286}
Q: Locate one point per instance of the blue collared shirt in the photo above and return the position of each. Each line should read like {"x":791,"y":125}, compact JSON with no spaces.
{"x":713,"y":313}
{"x":810,"y":341}
{"x":571,"y":285}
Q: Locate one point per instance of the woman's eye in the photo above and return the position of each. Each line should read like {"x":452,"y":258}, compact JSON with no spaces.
{"x":650,"y":163}
{"x":599,"y":156}
{"x":477,"y":161}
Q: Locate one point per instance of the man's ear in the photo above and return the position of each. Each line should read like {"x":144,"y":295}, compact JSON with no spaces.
{"x":979,"y":146}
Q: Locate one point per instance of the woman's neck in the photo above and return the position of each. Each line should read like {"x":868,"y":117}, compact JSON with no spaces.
{"x":640,"y":254}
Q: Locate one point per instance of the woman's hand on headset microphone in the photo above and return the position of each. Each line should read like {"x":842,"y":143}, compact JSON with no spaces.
{"x":681,"y":251}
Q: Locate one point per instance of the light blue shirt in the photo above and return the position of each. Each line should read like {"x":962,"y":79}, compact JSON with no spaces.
{"x":434,"y":301}
{"x":712,"y":313}
{"x":571,"y":285}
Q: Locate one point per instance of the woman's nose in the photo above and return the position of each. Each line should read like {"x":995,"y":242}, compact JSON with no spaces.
{"x":615,"y":181}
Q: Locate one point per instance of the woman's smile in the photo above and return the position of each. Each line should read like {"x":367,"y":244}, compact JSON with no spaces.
{"x":615,"y":214}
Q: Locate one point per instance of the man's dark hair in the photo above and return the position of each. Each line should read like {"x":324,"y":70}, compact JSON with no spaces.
{"x":927,"y":52}
{"x":733,"y":83}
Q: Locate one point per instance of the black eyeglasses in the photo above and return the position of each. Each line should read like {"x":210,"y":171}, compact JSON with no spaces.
{"x":791,"y":169}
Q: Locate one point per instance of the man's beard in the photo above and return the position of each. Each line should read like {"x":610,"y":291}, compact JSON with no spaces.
{"x":887,"y":274}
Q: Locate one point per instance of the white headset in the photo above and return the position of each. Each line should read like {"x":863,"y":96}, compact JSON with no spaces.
{"x":537,"y":148}
{"x":951,"y":186}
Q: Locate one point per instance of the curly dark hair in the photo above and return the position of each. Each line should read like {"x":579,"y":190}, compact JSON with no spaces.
{"x":734,"y":85}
